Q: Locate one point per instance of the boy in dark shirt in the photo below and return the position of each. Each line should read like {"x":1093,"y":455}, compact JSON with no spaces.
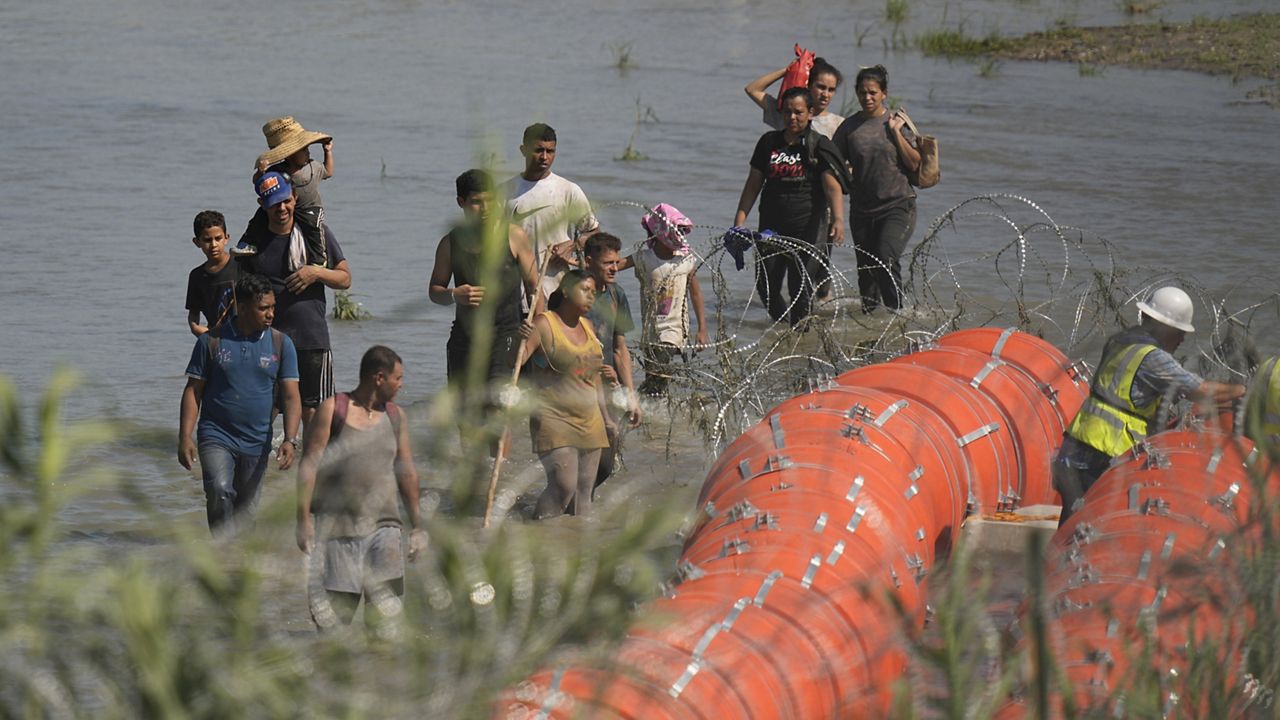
{"x":209,"y":285}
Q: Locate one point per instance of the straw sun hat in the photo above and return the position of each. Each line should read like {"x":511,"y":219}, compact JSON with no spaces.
{"x":286,"y":137}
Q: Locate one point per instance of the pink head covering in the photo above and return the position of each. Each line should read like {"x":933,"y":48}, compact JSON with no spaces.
{"x":667,"y":225}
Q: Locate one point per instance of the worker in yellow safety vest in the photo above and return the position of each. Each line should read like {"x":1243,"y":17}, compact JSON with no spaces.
{"x":1136,"y":370}
{"x":1262,"y":408}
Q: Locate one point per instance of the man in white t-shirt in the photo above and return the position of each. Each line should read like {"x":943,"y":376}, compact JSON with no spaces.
{"x":553,"y":211}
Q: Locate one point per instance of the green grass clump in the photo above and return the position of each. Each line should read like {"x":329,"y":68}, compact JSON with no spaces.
{"x":345,"y":307}
{"x":957,"y":43}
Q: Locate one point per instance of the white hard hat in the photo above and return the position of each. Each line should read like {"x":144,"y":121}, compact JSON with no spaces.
{"x":1169,"y":306}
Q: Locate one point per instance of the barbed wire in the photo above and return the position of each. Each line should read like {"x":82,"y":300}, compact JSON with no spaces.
{"x":996,"y":259}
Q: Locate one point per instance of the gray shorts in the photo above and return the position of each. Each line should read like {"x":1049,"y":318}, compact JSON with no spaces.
{"x":358,"y":564}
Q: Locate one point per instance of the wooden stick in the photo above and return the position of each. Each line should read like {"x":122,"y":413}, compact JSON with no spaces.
{"x":515,"y":376}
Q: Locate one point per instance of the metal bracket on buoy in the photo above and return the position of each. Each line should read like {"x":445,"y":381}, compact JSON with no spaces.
{"x":916,"y":563}
{"x":1155,"y":506}
{"x":765,"y":520}
{"x":765,"y":587}
{"x":978,"y":433}
{"x":836,"y":551}
{"x":734,"y":546}
{"x":1144,"y":565}
{"x":850,"y":431}
{"x":779,"y":439}
{"x":889,"y":412}
{"x":854,"y":489}
{"x":554,"y":696}
{"x":688,"y":571}
{"x":1214,"y":459}
{"x":858,"y":412}
{"x":815,"y":562}
{"x":912,"y":477}
{"x":986,"y":370}
{"x":821,"y":523}
{"x":1228,"y":498}
{"x":856,"y":519}
{"x":1218,"y":547}
{"x":1084,"y":575}
{"x":1004,"y":338}
{"x":739,"y":511}
{"x":1156,"y":460}
{"x":1166,"y":550}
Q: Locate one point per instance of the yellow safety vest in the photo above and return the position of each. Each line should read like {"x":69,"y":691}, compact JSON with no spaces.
{"x":1109,"y":421}
{"x":1262,"y":408}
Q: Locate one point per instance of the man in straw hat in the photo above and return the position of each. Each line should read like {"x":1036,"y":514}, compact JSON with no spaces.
{"x":1137,"y":369}
{"x":299,"y":286}
{"x":289,"y":154}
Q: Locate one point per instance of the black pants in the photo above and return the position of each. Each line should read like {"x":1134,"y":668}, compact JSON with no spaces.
{"x":801,"y":261}
{"x":879,"y":241}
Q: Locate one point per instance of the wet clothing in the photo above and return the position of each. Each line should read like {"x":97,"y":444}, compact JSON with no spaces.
{"x":610,"y":316}
{"x":882,"y":207}
{"x":664,"y":287}
{"x":301,"y":316}
{"x":465,"y":245}
{"x":879,"y":242}
{"x":231,"y":480}
{"x":210,"y":293}
{"x":465,"y":252}
{"x":793,"y":204}
{"x":356,"y":483}
{"x":566,"y":375}
{"x":551,"y":211}
{"x":239,"y":373}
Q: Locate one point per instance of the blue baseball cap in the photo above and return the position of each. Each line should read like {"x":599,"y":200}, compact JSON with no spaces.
{"x":273,"y":188}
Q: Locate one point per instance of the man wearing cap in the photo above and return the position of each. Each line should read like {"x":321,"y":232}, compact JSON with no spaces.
{"x":1137,"y":369}
{"x":299,"y":287}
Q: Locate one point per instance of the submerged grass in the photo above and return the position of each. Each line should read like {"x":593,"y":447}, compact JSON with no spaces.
{"x":1240,"y":46}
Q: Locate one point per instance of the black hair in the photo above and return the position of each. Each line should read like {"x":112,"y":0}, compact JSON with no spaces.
{"x":568,"y":280}
{"x":473,"y":181}
{"x":822,"y":67}
{"x":537,"y":132}
{"x":796,"y":92}
{"x":251,"y":287}
{"x":877,"y":73}
{"x":601,"y":242}
{"x":206,"y":219}
{"x":378,"y":359}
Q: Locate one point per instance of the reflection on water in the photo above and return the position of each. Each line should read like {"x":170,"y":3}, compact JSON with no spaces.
{"x":128,"y":118}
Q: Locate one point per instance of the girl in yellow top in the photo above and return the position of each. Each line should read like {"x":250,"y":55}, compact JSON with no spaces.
{"x":568,"y":426}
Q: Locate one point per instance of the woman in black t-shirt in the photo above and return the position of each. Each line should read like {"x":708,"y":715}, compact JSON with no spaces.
{"x":797,"y":174}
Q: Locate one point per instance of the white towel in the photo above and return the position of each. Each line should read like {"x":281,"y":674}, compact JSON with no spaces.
{"x":297,"y":250}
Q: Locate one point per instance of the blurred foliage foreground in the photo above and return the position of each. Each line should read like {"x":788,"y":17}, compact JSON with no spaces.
{"x":185,"y":629}
{"x":190,"y":627}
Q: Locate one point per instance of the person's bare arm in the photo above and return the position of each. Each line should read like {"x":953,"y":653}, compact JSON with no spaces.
{"x":192,"y":394}
{"x":1217,"y":394}
{"x":699,"y":309}
{"x":835,"y":201}
{"x":622,"y":361}
{"x":756,"y":88}
{"x":337,"y":277}
{"x":906,"y":151}
{"x":407,"y":481}
{"x":327,"y":145}
{"x":522,"y":250}
{"x":193,"y":323}
{"x":292,"y":416}
{"x":626,"y":262}
{"x":750,"y":191}
{"x":438,"y":289}
{"x":312,"y":451}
